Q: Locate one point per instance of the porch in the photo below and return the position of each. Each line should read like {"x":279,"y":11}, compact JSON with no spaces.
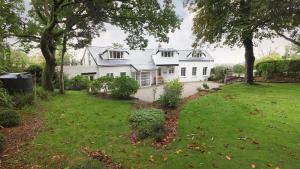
{"x":147,"y":94}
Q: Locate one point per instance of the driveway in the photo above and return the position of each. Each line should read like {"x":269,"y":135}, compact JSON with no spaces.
{"x":148,"y":93}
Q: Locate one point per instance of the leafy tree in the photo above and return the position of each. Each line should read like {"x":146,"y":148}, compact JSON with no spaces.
{"x":239,"y":69}
{"x":75,"y":23}
{"x":240,"y":22}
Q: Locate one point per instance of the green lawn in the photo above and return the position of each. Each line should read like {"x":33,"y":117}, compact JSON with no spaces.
{"x":221,"y":124}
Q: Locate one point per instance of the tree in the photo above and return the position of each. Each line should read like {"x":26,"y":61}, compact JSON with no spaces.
{"x":240,"y":22}
{"x":239,"y":69}
{"x":79,"y":21}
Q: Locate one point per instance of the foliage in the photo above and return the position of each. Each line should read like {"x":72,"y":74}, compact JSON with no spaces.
{"x":273,"y":68}
{"x":67,"y":81}
{"x":9,"y":118}
{"x":79,"y":82}
{"x":6,"y":101}
{"x":148,"y":123}
{"x":205,"y":86}
{"x":172,"y":93}
{"x":123,"y":87}
{"x":22,"y":99}
{"x":88,"y":164}
{"x":42,"y":93}
{"x":239,"y":69}
{"x":12,"y":60}
{"x":35,"y":70}
{"x":103,"y":84}
{"x":218,"y":73}
{"x":2,"y":141}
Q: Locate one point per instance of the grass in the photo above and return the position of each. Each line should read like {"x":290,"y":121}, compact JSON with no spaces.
{"x":248,"y":124}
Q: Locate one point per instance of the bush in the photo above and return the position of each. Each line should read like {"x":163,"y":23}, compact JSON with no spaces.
{"x":172,"y":93}
{"x":239,"y":69}
{"x":123,"y":87}
{"x":9,"y":118}
{"x":23,"y":99}
{"x":88,"y":164}
{"x":42,"y":94}
{"x":103,"y":84}
{"x":148,"y":123}
{"x":79,"y":82}
{"x":6,"y":101}
{"x":2,"y":141}
{"x":36,"y":70}
{"x":218,"y":73}
{"x":205,"y":86}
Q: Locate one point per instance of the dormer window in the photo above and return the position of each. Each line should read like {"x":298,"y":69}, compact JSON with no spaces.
{"x":198,"y":55}
{"x":116,"y":55}
{"x":167,"y":54}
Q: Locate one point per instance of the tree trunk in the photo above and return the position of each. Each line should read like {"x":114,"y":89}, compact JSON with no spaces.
{"x":249,"y":60}
{"x":48,"y":51}
{"x":61,"y":75}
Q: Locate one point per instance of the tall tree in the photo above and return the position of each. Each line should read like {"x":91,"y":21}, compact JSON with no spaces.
{"x":81,"y":20}
{"x":241,"y":22}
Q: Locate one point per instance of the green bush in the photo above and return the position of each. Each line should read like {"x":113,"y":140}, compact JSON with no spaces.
{"x":273,"y":68}
{"x":88,"y":164}
{"x":79,"y":82}
{"x":123,"y":87}
{"x":2,"y":141}
{"x":42,"y":94}
{"x":36,"y":70}
{"x":6,"y":100}
{"x":148,"y":123}
{"x":102,"y":84}
{"x":205,"y":86}
{"x":172,"y":93}
{"x":9,"y":118}
{"x":239,"y":69}
{"x":23,"y":99}
{"x":218,"y":73}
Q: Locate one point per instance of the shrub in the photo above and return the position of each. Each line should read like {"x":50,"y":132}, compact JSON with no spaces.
{"x":218,"y":73}
{"x":205,"y":86}
{"x":9,"y":118}
{"x":79,"y":82}
{"x":148,"y":123}
{"x":239,"y":69}
{"x":123,"y":87}
{"x":2,"y":141}
{"x":103,"y":84}
{"x":6,"y":100}
{"x":42,"y":94}
{"x":36,"y":70}
{"x":22,"y":99}
{"x":88,"y":164}
{"x":172,"y":93}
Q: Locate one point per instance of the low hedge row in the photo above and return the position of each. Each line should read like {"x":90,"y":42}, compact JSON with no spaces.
{"x":273,"y":68}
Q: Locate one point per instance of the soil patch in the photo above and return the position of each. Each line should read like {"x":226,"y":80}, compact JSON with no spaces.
{"x":18,"y":137}
{"x":278,"y":79}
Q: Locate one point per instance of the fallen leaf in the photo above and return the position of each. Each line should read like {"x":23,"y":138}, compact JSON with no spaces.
{"x":178,"y":151}
{"x":255,"y":142}
{"x":228,"y":158}
{"x":277,"y":167}
{"x":253,"y":166}
{"x":165,"y":158}
{"x":269,"y":165}
{"x":151,"y":158}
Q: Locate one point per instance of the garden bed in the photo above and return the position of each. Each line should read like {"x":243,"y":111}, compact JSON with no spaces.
{"x":278,"y":79}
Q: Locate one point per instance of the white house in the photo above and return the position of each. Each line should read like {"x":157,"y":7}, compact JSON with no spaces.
{"x":148,"y":67}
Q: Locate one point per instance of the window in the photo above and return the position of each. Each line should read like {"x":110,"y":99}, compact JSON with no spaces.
{"x":91,"y":78}
{"x":198,"y":54}
{"x":194,"y":71}
{"x":171,"y":70}
{"x":159,"y":72}
{"x":110,"y":74}
{"x":116,"y":55}
{"x":183,"y":71}
{"x":123,"y":74}
{"x":167,"y":54}
{"x":204,"y":70}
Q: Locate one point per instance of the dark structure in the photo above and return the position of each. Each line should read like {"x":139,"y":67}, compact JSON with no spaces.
{"x":17,"y":82}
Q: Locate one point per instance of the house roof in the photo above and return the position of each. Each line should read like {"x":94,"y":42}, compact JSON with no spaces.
{"x":139,"y":59}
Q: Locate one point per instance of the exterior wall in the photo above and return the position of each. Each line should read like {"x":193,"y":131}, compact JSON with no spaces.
{"x":166,"y":75}
{"x":87,"y":59}
{"x":189,"y":66}
{"x":72,"y":71}
{"x":115,"y":70}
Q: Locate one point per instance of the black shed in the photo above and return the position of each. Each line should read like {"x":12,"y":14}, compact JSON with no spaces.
{"x":17,"y":82}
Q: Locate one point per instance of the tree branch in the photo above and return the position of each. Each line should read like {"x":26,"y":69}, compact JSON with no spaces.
{"x":287,"y":38}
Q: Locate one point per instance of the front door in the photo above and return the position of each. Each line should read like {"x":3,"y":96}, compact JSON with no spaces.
{"x":145,"y":79}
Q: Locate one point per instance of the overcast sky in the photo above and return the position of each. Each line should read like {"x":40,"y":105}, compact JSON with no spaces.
{"x":183,"y":39}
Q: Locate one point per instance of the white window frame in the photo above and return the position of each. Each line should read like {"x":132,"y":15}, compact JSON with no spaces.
{"x":205,"y":71}
{"x":194,"y":71}
{"x":110,"y":74}
{"x":167,"y":53}
{"x":171,"y":70}
{"x":124,"y":74}
{"x":116,"y":55}
{"x":183,"y":68}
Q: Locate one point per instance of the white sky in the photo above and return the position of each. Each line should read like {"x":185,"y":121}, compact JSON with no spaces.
{"x":183,"y":39}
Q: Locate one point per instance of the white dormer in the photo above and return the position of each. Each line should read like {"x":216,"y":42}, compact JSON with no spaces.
{"x":198,"y":54}
{"x":167,"y":53}
{"x":166,"y":57}
{"x":116,"y":54}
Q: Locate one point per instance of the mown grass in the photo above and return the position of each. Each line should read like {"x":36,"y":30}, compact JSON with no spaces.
{"x":249,"y":124}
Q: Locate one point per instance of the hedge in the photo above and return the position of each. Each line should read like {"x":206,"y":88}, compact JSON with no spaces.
{"x":268,"y":69}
